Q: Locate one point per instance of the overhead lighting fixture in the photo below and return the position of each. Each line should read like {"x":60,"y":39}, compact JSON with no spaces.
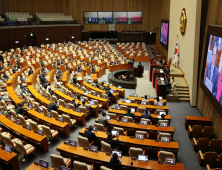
{"x":16,"y":42}
{"x":150,"y":32}
{"x":47,"y":39}
{"x":72,"y":37}
{"x":31,"y":34}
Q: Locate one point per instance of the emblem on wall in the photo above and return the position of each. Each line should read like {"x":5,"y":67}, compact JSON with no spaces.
{"x":183,"y":21}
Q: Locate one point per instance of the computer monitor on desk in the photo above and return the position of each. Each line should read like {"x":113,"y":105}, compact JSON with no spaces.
{"x":93,"y":148}
{"x":143,"y":158}
{"x":125,"y":120}
{"x":119,"y":153}
{"x":170,"y":161}
{"x":164,"y":139}
{"x":44,"y":164}
{"x":139,"y":136}
{"x":117,"y":108}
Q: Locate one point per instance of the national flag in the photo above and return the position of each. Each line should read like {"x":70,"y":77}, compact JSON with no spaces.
{"x":176,"y":53}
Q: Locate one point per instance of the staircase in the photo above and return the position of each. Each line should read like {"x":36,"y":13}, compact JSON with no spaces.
{"x":181,"y":85}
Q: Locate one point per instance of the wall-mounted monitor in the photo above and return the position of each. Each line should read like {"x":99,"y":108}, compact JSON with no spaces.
{"x":212,"y":67}
{"x":164,"y":32}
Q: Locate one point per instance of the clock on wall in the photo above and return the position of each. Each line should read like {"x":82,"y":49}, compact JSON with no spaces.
{"x":183,"y":21}
{"x":111,"y":27}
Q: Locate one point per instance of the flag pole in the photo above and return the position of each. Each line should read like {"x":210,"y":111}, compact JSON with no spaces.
{"x":176,"y":64}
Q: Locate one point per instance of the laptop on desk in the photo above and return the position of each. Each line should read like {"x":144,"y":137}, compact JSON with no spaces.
{"x":209,"y":84}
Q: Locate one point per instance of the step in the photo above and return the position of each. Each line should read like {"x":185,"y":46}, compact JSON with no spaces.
{"x":183,"y":92}
{"x":179,"y":86}
{"x":183,"y":96}
{"x":182,"y":89}
{"x":184,"y":99}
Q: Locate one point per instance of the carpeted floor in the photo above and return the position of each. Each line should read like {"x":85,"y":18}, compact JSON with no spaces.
{"x":177,"y":110}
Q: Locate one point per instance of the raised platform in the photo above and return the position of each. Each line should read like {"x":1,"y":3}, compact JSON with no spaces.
{"x":113,"y":79}
{"x":176,"y":72}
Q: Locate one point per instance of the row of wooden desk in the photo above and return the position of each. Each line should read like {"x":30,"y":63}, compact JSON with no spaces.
{"x":120,"y":91}
{"x":118,"y":67}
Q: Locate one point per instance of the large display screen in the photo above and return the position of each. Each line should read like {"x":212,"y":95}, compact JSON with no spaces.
{"x":164,"y":32}
{"x":212,"y":67}
{"x":212,"y":74}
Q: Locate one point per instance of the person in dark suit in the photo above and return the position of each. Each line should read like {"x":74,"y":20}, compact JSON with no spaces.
{"x":9,"y":64}
{"x":89,"y":134}
{"x":93,"y":69}
{"x":115,"y":63}
{"x":53,"y":106}
{"x":146,"y":115}
{"x":1,"y":68}
{"x":87,"y":64}
{"x":73,"y":102}
{"x":140,"y":70}
{"x":14,"y":70}
{"x":59,"y":71}
{"x":113,"y":143}
{"x":212,"y":72}
{"x":62,"y":62}
{"x":110,"y":95}
{"x":1,"y":58}
{"x":58,"y":63}
{"x":74,"y":79}
{"x":115,"y":163}
{"x":45,"y":85}
{"x":20,"y":109}
{"x":42,"y":63}
{"x":103,"y":120}
{"x":30,"y":71}
{"x":164,"y":62}
{"x":5,"y":76}
{"x":79,"y":69}
{"x":128,"y":113}
{"x":50,"y":91}
{"x":43,"y":79}
{"x":167,"y":71}
{"x":19,"y":66}
{"x":132,"y":60}
{"x":161,"y":60}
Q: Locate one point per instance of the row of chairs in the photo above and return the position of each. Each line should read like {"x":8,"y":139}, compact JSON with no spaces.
{"x":205,"y":144}
{"x":108,"y":19}
{"x":93,"y":19}
{"x":199,"y":131}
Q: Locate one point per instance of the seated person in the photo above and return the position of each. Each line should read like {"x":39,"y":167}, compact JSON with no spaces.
{"x":59,"y":71}
{"x":89,"y":134}
{"x":97,"y":84}
{"x":111,"y":63}
{"x":53,"y":106}
{"x":156,"y":101}
{"x":93,"y":69}
{"x":30,"y":71}
{"x":74,"y":79}
{"x":164,"y":62}
{"x":110,"y":95}
{"x":146,"y":115}
{"x":25,"y":91}
{"x":167,"y":71}
{"x":113,"y":143}
{"x":74,"y":103}
{"x":102,"y":119}
{"x":42,"y":63}
{"x":79,"y":69}
{"x":20,"y":109}
{"x":115,"y":62}
{"x":4,"y":77}
{"x":128,"y":113}
{"x":23,"y":80}
{"x":121,"y":77}
{"x":58,"y":77}
{"x":9,"y":64}
{"x":14,"y":70}
{"x":162,"y":116}
{"x":83,"y":105}
{"x":43,"y":79}
{"x":1,"y":68}
{"x":50,"y":91}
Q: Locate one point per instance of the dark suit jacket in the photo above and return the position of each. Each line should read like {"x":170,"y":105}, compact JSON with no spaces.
{"x":14,"y":70}
{"x":132,"y":59}
{"x":30,"y":72}
{"x":89,"y":135}
{"x":20,"y":110}
{"x":74,"y":80}
{"x":5,"y":76}
{"x":146,"y":116}
{"x":42,"y":63}
{"x":1,"y":58}
{"x":214,"y":78}
{"x":112,"y":142}
{"x":93,"y":69}
{"x":167,"y":71}
{"x":1,"y":68}
{"x":140,"y":68}
{"x":52,"y":106}
{"x":58,"y":63}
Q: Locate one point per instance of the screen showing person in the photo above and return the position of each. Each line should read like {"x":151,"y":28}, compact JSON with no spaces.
{"x":72,"y":143}
{"x":170,"y":161}
{"x":115,"y":132}
{"x":164,"y":33}
{"x":139,"y":136}
{"x":94,"y":129}
{"x":8,"y":149}
{"x":213,"y":68}
{"x":119,"y":153}
{"x":93,"y":148}
{"x":61,"y":119}
{"x":163,"y":124}
{"x":143,"y":158}
{"x":143,"y":122}
{"x":165,"y":139}
{"x":28,"y":127}
{"x":124,"y":120}
{"x":107,"y":117}
{"x":44,"y":164}
{"x":40,"y":132}
{"x":132,"y":110}
{"x":117,"y":108}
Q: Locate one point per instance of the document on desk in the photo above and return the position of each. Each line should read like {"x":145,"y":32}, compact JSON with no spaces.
{"x":161,"y":78}
{"x":209,"y":84}
{"x":79,"y":78}
{"x":161,"y":71}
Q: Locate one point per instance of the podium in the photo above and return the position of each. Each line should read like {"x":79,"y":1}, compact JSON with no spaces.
{"x":130,"y":65}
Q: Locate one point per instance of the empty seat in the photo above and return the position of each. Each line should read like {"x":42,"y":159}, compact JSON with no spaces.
{"x":142,"y":133}
{"x":121,"y":131}
{"x":130,"y":119}
{"x":112,"y":115}
{"x":141,"y":109}
{"x":207,"y":158}
{"x":58,"y":161}
{"x":104,"y":168}
{"x":195,"y":131}
{"x":105,"y":147}
{"x":67,"y":119}
{"x":215,"y":145}
{"x":81,"y":166}
{"x":134,"y":152}
{"x":164,"y":135}
{"x":83,"y":142}
{"x":24,"y":149}
{"x":123,"y":107}
{"x":208,"y":132}
{"x":162,"y":121}
{"x":100,"y":127}
{"x":148,"y":121}
{"x":163,"y":154}
{"x":201,"y":144}
{"x":50,"y":133}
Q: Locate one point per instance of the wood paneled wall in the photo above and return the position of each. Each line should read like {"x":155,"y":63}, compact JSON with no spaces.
{"x":213,"y":16}
{"x":56,"y":34}
{"x":153,"y":11}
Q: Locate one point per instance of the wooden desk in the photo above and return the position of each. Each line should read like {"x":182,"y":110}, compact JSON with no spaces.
{"x":100,"y":72}
{"x":160,"y":89}
{"x":11,"y":91}
{"x":118,"y":67}
{"x":101,"y":91}
{"x":137,"y":115}
{"x":37,"y":167}
{"x":132,"y":128}
{"x":105,"y":102}
{"x":195,"y":120}
{"x":120,"y":91}
{"x":141,"y":98}
{"x":28,"y":136}
{"x":10,"y":159}
{"x":151,"y":66}
{"x":150,"y":146}
{"x":94,"y":109}
{"x":156,"y":73}
{"x":166,"y":108}
{"x":66,"y":76}
{"x":100,"y":158}
{"x":51,"y":122}
{"x":80,"y":117}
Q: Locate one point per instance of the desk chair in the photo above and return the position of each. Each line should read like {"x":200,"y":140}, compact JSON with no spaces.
{"x":97,"y":103}
{"x":130,"y":119}
{"x":23,"y":122}
{"x":105,"y":147}
{"x":62,"y":102}
{"x":208,"y":168}
{"x":54,"y":98}
{"x":50,"y":133}
{"x":112,"y":115}
{"x":100,"y":127}
{"x":163,"y":154}
{"x":134,"y":152}
{"x":142,"y":133}
{"x":123,"y":107}
{"x":158,"y":111}
{"x":208,"y":132}
{"x":67,"y":119}
{"x":84,"y":110}
{"x":201,"y":144}
{"x":195,"y":131}
{"x":24,"y":149}
{"x":7,"y":107}
{"x":82,"y":166}
{"x":34,"y":126}
{"x":132,"y":100}
{"x":83,"y":142}
{"x":163,"y":121}
{"x":215,"y":145}
{"x":85,"y":99}
{"x":121,"y":131}
{"x":141,"y":109}
{"x":104,"y":168}
{"x":44,"y":109}
{"x":14,"y":115}
{"x":36,"y":105}
{"x":58,"y":161}
{"x":55,"y":114}
{"x":10,"y":142}
{"x":164,"y":135}
{"x":148,"y":121}
{"x":207,"y":158}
